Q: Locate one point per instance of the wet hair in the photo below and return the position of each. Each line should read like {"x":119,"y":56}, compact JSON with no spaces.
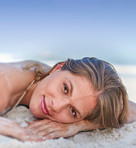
{"x":112,"y":100}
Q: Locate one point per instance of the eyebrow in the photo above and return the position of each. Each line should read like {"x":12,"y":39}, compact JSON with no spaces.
{"x":71,"y":91}
{"x":77,"y":111}
{"x":71,"y":86}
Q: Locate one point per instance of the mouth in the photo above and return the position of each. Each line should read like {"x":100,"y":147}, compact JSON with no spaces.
{"x":44,"y":106}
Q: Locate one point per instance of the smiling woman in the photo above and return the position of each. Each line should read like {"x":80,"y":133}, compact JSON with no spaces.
{"x":82,"y":94}
{"x":61,"y":103}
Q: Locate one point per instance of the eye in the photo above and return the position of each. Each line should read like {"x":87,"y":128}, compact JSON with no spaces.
{"x":73,"y":112}
{"x":65,"y":88}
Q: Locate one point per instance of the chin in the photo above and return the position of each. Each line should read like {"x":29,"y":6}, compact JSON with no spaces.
{"x":35,"y":112}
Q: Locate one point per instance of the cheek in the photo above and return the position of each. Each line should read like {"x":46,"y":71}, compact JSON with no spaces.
{"x":63,"y":117}
{"x":86,"y":105}
{"x":42,"y":88}
{"x":48,"y":85}
{"x":89,"y":105}
{"x":34,"y":107}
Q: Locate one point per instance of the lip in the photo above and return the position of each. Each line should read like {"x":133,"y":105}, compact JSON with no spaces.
{"x":44,"y":106}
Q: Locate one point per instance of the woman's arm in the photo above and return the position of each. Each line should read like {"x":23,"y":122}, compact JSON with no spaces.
{"x":12,"y":74}
{"x":12,"y":129}
{"x":51,"y":129}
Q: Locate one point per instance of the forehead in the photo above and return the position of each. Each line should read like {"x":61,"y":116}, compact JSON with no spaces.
{"x":80,"y":82}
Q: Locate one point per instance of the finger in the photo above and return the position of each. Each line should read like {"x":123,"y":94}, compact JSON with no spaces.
{"x":38,"y":123}
{"x":28,"y":136}
{"x":55,"y":135}
{"x":22,"y":134}
{"x":58,"y":134}
{"x":31,"y":138}
{"x":45,"y":132}
{"x":52,"y":135}
{"x":12,"y":129}
{"x":45,"y":128}
{"x":34,"y":138}
{"x":34,"y":121}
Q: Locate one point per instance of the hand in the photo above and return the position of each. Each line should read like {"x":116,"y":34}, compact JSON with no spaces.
{"x":12,"y":129}
{"x":51,"y":129}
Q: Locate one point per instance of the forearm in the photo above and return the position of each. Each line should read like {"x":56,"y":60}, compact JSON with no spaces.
{"x":85,"y":125}
{"x":12,"y":129}
{"x":51,"y":129}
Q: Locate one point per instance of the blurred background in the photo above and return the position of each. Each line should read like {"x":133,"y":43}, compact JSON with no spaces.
{"x":54,"y":30}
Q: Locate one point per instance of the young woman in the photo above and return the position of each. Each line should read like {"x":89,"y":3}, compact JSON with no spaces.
{"x":73,"y":96}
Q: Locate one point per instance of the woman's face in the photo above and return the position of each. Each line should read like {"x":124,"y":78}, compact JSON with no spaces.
{"x":63,"y":97}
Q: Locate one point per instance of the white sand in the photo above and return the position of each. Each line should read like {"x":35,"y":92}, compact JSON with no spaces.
{"x":115,"y":138}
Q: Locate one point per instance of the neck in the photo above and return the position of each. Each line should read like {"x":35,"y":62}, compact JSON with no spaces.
{"x":27,"y":98}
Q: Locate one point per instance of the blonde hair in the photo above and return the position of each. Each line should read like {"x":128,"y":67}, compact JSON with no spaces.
{"x":112,"y":103}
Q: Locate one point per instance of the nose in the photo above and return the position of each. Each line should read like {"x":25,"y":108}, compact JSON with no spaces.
{"x":58,"y":104}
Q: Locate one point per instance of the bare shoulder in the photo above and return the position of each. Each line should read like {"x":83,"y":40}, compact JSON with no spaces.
{"x":14,"y":79}
{"x":33,"y":62}
{"x":8,"y":73}
{"x":132,"y":112}
{"x":20,"y":66}
{"x":16,"y":70}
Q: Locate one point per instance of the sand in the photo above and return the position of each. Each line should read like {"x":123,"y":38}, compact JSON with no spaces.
{"x":113,"y":138}
{"x":123,"y":137}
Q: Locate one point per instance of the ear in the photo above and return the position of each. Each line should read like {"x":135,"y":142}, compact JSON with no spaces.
{"x":57,"y":67}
